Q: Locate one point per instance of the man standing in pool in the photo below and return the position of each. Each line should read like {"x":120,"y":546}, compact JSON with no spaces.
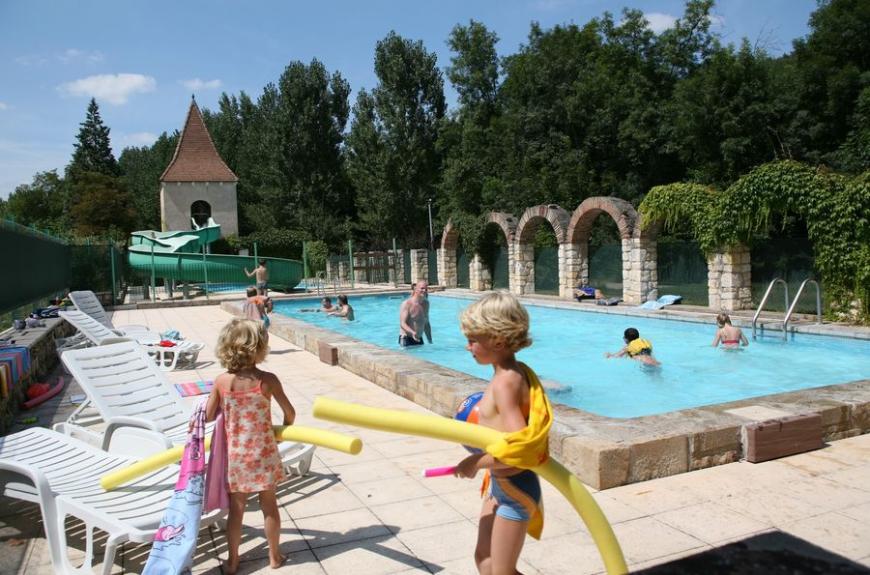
{"x":414,"y":317}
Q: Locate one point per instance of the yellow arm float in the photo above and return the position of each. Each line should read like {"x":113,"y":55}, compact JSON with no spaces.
{"x":298,"y":433}
{"x":478,"y":436}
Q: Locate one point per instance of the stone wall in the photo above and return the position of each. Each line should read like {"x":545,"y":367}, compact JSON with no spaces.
{"x":522,"y":266}
{"x":479,"y":278}
{"x":639,"y":269}
{"x":419,"y":265}
{"x":177,"y":197}
{"x":729,"y":279}
{"x":447,"y":273}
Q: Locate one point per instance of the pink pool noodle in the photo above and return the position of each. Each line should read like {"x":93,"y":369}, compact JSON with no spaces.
{"x":439,"y":471}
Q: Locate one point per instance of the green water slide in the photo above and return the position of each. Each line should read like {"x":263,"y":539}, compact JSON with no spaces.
{"x":179,"y":256}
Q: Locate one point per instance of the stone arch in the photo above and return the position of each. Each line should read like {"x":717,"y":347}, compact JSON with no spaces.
{"x":524,"y":249}
{"x":506,"y":222}
{"x":638,"y":247}
{"x":447,"y":256}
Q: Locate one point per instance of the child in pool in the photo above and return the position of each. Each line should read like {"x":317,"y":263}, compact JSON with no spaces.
{"x":729,"y":336}
{"x":496,"y":327}
{"x":636,"y":348}
{"x":244,"y":393}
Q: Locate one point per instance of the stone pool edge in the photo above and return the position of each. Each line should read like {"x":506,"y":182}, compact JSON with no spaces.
{"x":603,"y":452}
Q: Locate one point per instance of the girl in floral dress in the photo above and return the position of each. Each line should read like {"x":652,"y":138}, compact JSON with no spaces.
{"x":244,"y":393}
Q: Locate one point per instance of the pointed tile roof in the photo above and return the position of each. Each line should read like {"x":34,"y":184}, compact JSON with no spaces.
{"x":196,"y":159}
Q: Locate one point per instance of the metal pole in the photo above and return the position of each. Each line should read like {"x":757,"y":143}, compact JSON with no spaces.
{"x":255,"y":255}
{"x":431,"y":230}
{"x":306,"y":270}
{"x":153,"y":279}
{"x":112,"y":265}
{"x":395,"y":264}
{"x":205,"y":272}
{"x":350,"y":257}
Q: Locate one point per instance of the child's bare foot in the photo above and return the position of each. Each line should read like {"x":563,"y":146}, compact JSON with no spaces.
{"x":276,"y":562}
{"x":230,"y":567}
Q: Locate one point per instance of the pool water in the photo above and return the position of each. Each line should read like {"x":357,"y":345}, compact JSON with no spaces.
{"x":569,"y":345}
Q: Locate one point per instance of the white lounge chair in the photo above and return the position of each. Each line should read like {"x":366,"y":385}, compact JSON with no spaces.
{"x":168,"y":358}
{"x":88,"y":302}
{"x":62,"y":475}
{"x":140,"y":407}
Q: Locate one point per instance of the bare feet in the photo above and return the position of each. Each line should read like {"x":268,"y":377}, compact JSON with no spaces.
{"x":275,"y":563}
{"x":230,"y":567}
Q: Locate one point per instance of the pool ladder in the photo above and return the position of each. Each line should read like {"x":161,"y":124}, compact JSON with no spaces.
{"x":789,"y":307}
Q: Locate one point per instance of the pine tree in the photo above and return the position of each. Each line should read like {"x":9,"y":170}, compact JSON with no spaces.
{"x":93,"y":150}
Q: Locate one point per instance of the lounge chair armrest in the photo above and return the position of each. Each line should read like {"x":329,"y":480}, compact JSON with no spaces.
{"x":118,"y":339}
{"x":40,"y":481}
{"x":122,"y":421}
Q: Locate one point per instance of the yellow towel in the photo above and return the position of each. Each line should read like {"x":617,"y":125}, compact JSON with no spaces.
{"x":528,"y":448}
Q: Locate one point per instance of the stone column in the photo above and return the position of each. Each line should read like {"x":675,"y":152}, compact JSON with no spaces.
{"x":568,"y":269}
{"x":419,"y":266}
{"x":343,"y":274}
{"x":522,"y":279}
{"x":447,"y":274}
{"x":639,"y":269}
{"x":479,"y":278}
{"x":729,"y":279}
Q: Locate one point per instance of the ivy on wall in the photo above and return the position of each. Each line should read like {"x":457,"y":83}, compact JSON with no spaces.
{"x":836,"y":209}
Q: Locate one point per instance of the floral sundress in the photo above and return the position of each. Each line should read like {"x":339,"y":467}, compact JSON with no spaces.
{"x":253,"y":463}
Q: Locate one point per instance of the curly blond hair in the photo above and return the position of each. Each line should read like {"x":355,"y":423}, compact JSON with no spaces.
{"x":499,"y":316}
{"x":242,"y":344}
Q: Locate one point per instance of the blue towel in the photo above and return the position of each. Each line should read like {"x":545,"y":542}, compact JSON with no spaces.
{"x":661,"y":302}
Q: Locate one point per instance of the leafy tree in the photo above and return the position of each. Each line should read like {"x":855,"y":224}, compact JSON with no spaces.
{"x":392,"y":157}
{"x":93,"y":149}
{"x":102,"y":206}
{"x":141,"y":168}
{"x":40,"y":203}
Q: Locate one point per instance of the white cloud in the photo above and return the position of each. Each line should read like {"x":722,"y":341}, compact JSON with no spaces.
{"x":113,"y":88}
{"x":4,"y":106}
{"x":138,"y":139}
{"x":72,"y":54}
{"x":30,"y":60}
{"x":196,"y":84}
{"x":659,"y":22}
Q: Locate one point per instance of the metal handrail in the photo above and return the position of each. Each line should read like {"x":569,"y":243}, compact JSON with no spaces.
{"x":797,"y":297}
{"x":764,"y":301}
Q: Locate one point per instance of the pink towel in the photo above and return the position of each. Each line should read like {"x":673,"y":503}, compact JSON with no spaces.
{"x":194,"y":387}
{"x":217,"y":490}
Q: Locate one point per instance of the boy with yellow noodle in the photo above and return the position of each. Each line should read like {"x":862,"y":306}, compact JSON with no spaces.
{"x":497,"y":326}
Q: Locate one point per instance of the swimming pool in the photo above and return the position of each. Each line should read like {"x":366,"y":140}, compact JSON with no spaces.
{"x":569,"y":347}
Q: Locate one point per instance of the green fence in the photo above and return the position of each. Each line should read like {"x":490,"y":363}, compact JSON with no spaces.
{"x":605,"y":268}
{"x":432,"y":260}
{"x":462,"y":272}
{"x":790,"y":259}
{"x":36,"y":266}
{"x":682,"y":270}
{"x":547,"y":270}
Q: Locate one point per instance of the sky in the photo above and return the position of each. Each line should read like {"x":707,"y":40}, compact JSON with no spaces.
{"x":142,"y":60}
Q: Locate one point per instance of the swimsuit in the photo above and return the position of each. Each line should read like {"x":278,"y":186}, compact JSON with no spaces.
{"x":262,"y":285}
{"x":730,"y":341}
{"x":517,"y":496}
{"x":638,"y":346}
{"x":409,"y":341}
{"x":253,"y":464}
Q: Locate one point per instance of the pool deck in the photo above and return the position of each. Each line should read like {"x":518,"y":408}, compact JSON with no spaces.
{"x":374,"y":514}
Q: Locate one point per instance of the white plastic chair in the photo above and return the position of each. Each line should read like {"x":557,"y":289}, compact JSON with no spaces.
{"x":141,"y":408}
{"x":99,"y":334}
{"x":88,"y":302}
{"x":62,"y":474}
{"x":182,"y":353}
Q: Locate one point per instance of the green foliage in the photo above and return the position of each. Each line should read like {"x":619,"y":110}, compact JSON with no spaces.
{"x":836,"y":210}
{"x":141,"y":168}
{"x":102,"y":206}
{"x":317,"y":252}
{"x":392,"y":158}
{"x":93,"y":148}
{"x":40,"y":203}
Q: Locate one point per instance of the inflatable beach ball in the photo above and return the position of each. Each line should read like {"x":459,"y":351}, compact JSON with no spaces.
{"x":469,"y":412}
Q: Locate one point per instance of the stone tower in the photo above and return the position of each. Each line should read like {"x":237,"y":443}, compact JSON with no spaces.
{"x":197,"y":184}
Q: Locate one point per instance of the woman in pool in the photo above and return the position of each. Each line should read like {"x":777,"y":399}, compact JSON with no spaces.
{"x":729,"y":336}
{"x":344,"y":309}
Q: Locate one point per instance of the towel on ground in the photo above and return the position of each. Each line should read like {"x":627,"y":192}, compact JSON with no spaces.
{"x":175,"y":540}
{"x":194,"y":387}
{"x":217,"y":488}
{"x":661,"y":302}
{"x":529,"y":447}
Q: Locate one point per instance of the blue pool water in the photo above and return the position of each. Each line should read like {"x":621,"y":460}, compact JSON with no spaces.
{"x":569,"y":347}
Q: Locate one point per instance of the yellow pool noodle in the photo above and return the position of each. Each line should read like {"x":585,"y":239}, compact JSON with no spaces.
{"x":437,"y":427}
{"x":298,"y":433}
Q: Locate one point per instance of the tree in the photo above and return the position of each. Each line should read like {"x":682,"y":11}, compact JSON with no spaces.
{"x":93,"y":149}
{"x":102,"y":206}
{"x":392,"y":157}
{"x":141,"y":169}
{"x":40,"y":203}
